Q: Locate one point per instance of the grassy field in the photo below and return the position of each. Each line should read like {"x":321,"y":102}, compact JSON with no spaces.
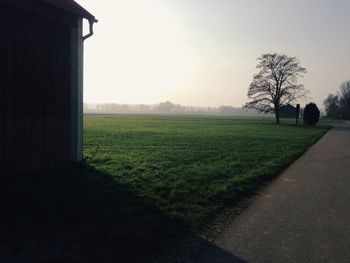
{"x":192,"y":167}
{"x":148,"y":187}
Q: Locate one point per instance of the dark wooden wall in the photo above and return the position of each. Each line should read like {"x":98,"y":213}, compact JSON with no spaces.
{"x":35,"y":68}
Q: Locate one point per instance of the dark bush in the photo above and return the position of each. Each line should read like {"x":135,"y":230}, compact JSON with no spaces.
{"x":311,"y":114}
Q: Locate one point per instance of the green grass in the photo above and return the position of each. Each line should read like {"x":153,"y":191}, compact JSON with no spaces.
{"x":191,"y":168}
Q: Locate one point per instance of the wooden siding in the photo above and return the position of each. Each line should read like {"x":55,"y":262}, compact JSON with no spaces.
{"x":35,"y":82}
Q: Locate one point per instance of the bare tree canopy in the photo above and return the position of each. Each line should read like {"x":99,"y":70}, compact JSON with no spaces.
{"x":276,"y":84}
{"x":332,"y":106}
{"x":345,"y":99}
{"x":338,"y":106}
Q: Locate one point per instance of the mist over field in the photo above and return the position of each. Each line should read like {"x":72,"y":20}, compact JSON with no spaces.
{"x":167,"y":108}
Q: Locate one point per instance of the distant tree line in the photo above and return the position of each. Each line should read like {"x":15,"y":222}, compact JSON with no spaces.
{"x":338,"y":106}
{"x":166,"y":107}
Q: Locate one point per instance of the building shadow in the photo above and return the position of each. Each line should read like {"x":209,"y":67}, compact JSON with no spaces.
{"x":218,"y":255}
{"x":78,"y":214}
{"x":341,"y":128}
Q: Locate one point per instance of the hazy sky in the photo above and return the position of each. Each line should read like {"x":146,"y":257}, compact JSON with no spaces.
{"x":203,"y":52}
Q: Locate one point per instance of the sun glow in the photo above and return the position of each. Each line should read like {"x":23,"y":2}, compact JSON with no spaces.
{"x":146,"y":53}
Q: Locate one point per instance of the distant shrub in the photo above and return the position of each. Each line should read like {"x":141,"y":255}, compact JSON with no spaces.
{"x":311,"y":114}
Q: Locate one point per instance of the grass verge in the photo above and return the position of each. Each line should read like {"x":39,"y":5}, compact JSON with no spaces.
{"x":192,"y":167}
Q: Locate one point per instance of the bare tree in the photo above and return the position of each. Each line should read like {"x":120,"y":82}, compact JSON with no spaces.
{"x":332,"y":106}
{"x":345,"y":99}
{"x":276,"y":84}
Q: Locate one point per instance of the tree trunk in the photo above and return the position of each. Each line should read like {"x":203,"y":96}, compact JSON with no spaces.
{"x":277,"y":115}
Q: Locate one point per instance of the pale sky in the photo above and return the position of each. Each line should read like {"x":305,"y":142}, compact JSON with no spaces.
{"x":203,"y":52}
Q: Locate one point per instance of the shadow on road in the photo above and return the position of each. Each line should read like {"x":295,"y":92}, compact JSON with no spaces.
{"x":218,"y":255}
{"x":339,"y":128}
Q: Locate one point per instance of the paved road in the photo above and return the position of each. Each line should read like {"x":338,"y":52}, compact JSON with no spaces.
{"x":304,"y":216}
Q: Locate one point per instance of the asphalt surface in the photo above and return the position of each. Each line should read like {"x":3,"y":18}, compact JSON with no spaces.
{"x":303,"y":216}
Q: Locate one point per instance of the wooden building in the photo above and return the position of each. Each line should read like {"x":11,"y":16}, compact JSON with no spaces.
{"x":41,"y":84}
{"x":288,"y":111}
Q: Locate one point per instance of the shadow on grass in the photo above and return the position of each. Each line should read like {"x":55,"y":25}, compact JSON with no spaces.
{"x":79,"y":214}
